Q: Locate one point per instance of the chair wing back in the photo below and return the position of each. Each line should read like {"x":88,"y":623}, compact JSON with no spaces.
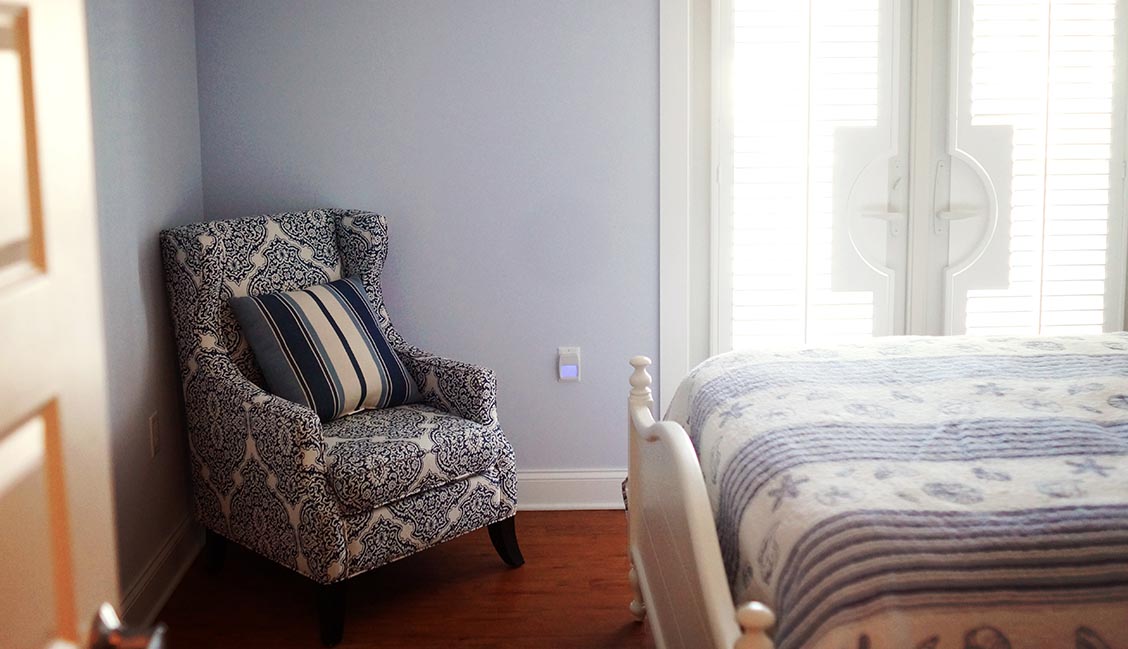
{"x":206,"y":264}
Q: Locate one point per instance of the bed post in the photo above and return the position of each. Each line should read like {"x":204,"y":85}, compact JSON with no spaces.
{"x":640,"y":398}
{"x":677,"y":575}
{"x":754,"y":619}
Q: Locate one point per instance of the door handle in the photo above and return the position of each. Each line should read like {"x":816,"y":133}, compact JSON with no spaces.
{"x":941,"y":184}
{"x":894,"y":219}
{"x":947,"y":216}
{"x":107,"y":632}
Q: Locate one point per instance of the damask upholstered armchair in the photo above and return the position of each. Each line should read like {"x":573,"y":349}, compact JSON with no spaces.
{"x":328,"y":499}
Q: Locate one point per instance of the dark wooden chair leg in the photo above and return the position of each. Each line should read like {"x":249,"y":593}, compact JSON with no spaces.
{"x":215,"y":550}
{"x":504,"y":537}
{"x":331,"y":612}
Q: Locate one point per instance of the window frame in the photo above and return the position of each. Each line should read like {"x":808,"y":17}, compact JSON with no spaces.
{"x":681,"y":339}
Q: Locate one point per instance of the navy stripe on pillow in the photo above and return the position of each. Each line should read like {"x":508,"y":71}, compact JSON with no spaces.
{"x":321,"y":347}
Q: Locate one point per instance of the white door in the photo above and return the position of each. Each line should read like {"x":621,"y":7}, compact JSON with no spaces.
{"x":57,"y":554}
{"x":811,"y":149}
{"x":1034,"y":190}
{"x":900,"y":166}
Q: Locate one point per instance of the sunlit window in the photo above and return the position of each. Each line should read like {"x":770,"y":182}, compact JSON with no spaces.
{"x":1017,"y":221}
{"x":801,"y":72}
{"x":1045,"y":69}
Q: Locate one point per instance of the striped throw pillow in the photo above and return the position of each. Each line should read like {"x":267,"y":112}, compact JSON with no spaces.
{"x":321,"y":347}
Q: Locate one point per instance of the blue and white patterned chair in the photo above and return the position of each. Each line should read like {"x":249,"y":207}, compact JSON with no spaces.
{"x":329,"y":500}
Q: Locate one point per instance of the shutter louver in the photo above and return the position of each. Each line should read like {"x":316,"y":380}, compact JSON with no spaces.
{"x":801,"y":71}
{"x":1045,"y":69}
{"x":815,"y":97}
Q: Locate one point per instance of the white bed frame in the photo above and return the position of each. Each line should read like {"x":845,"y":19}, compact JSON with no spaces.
{"x":676,"y":569}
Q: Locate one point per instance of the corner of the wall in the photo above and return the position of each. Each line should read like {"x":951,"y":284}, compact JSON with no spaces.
{"x":143,"y":600}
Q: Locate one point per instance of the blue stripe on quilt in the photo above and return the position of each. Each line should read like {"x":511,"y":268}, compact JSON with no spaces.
{"x":910,"y":370}
{"x":846,"y":500}
{"x":830,"y":573}
{"x":775,"y":452}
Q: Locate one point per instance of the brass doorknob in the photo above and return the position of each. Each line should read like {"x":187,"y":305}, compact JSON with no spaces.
{"x":107,"y":632}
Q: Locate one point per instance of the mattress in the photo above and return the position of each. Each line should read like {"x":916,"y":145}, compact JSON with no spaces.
{"x":929,"y":492}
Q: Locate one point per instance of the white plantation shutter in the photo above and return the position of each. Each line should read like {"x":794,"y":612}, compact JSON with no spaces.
{"x":1046,"y":71}
{"x":811,"y":140}
{"x":810,"y":101}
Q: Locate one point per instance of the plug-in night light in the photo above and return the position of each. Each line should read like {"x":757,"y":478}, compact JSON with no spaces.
{"x":568,"y":364}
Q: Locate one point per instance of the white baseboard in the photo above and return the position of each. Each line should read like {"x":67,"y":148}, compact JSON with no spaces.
{"x":147,"y":595}
{"x":552,"y":490}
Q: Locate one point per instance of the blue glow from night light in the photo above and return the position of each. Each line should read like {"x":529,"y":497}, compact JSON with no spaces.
{"x":569,"y":371}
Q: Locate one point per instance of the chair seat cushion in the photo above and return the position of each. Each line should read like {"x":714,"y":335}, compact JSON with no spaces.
{"x":376,"y":457}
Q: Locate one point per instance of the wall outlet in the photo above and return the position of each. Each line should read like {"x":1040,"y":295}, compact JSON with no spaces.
{"x":154,"y":434}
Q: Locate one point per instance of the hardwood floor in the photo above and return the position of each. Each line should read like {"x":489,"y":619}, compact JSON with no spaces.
{"x":572,"y":592}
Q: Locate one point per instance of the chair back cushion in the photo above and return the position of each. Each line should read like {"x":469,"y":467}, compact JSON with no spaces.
{"x":321,"y":347}
{"x":207,"y":264}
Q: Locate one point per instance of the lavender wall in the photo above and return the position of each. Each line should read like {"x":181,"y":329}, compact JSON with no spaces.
{"x":513,"y":146}
{"x":147,"y":165}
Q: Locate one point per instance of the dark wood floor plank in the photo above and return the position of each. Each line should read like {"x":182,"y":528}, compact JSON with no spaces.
{"x":572,"y":592}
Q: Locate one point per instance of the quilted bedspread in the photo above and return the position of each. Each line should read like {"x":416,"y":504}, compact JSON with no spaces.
{"x":927,"y":492}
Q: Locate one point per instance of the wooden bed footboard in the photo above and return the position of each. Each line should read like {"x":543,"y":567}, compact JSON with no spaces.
{"x":676,"y":569}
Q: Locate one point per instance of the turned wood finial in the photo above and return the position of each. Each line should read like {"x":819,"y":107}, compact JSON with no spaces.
{"x":638,"y":608}
{"x":640,"y":379}
{"x":754,"y":619}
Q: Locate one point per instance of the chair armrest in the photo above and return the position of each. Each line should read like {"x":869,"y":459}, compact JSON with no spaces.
{"x":286,"y":435}
{"x":263,"y":458}
{"x":463,"y":389}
